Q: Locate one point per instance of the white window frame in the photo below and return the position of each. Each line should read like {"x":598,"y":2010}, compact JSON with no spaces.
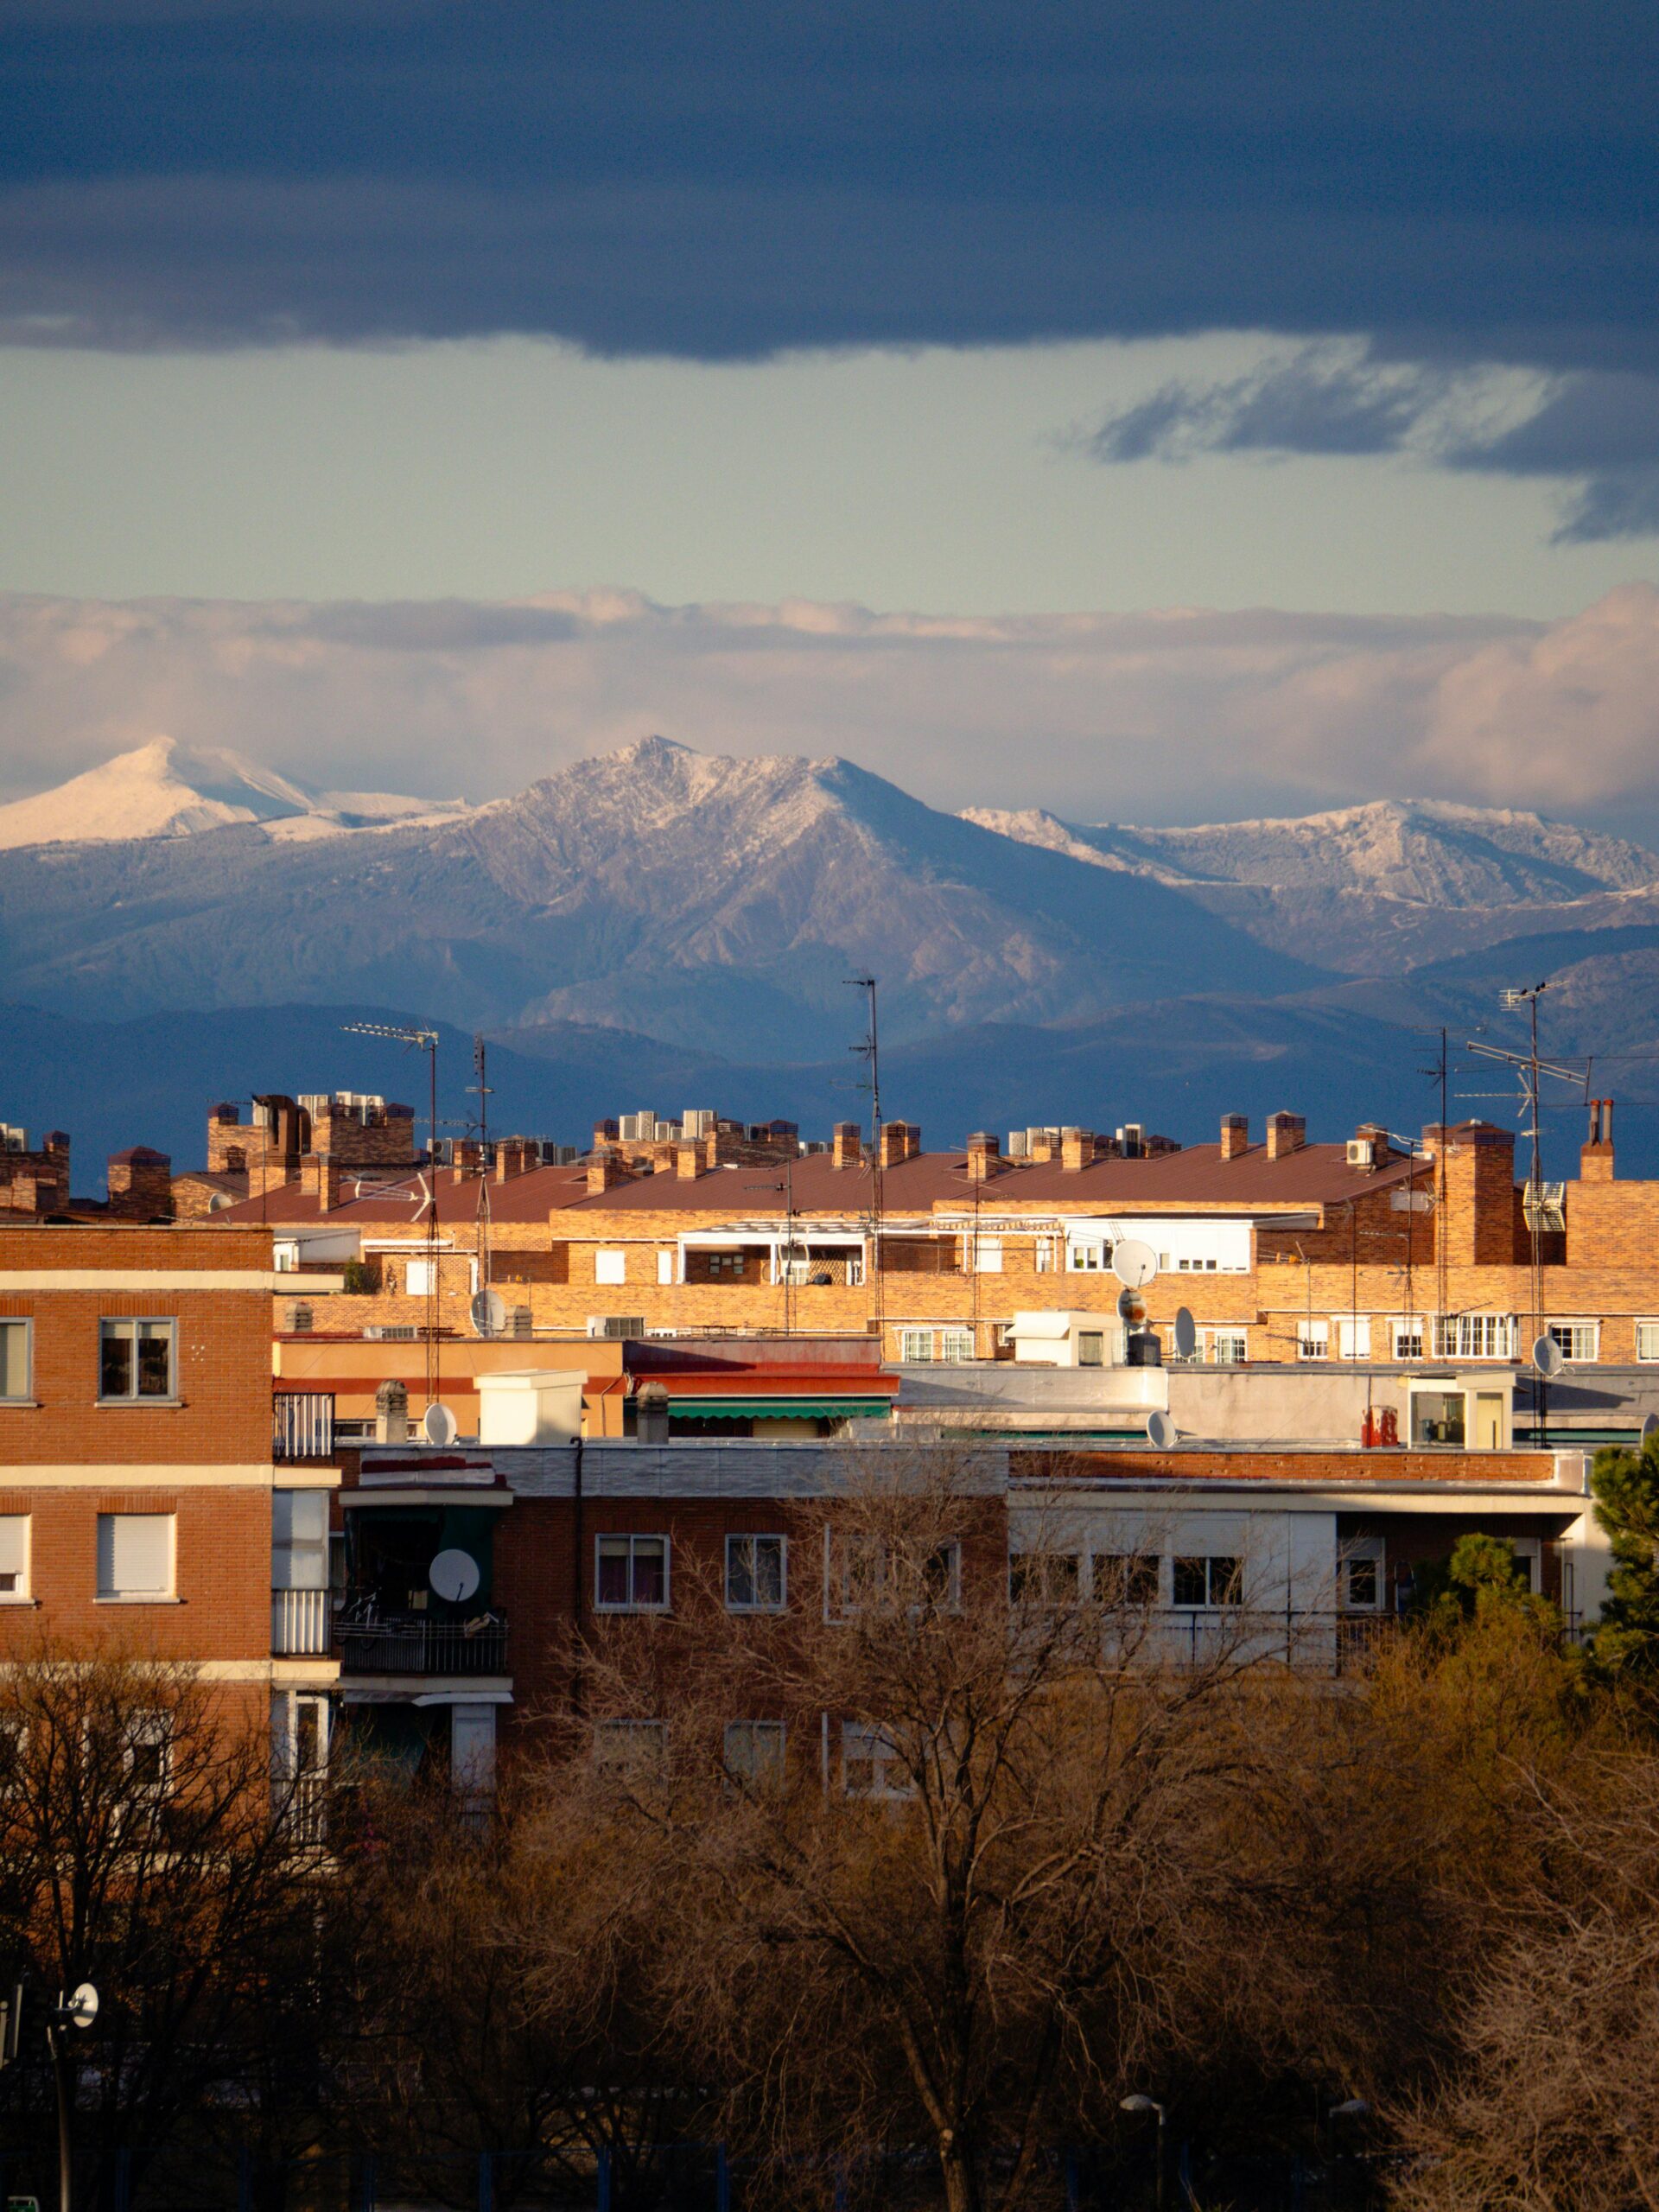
{"x":633,"y":1538}
{"x":1374,"y":1550}
{"x":954,"y":1347}
{"x":837,"y":1576}
{"x":149,"y":1731}
{"x":24,"y":1324}
{"x":757,"y":1606}
{"x":134,"y":1322}
{"x":1215,"y":1339}
{"x":1097,"y":1338}
{"x":108,"y":1594}
{"x":915,"y":1347}
{"x":1044,"y":1576}
{"x":1573,"y":1334}
{"x":611,"y":1264}
{"x":875,"y":1748}
{"x":1650,"y":1322}
{"x":1313,"y":1339}
{"x":1088,"y":1259}
{"x":1475,"y":1336}
{"x":1353,"y":1336}
{"x":666,"y":1265}
{"x":1208,"y":1603}
{"x":22,"y":1551}
{"x":1403,"y":1330}
{"x":987,"y":1253}
{"x":294,"y":1557}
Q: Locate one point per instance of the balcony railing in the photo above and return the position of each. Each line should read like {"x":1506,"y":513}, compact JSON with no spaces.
{"x":303,"y":1425}
{"x":299,"y":1624}
{"x":409,"y":1645}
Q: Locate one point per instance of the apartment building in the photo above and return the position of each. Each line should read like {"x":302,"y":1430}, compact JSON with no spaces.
{"x":143,"y":1506}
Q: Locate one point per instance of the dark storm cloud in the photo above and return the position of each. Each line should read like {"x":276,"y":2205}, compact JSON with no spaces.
{"x":1311,"y":405}
{"x":717,"y":180}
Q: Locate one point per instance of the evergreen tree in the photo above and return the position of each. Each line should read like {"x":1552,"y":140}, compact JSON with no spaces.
{"x":1626,"y":1485}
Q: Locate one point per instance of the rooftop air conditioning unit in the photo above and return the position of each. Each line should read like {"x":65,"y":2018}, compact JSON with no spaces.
{"x":616,"y":1325}
{"x":392,"y":1332}
{"x":1362,"y":1151}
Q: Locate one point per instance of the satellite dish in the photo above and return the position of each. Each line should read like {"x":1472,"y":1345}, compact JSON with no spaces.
{"x":1134,"y":1263}
{"x":1187,"y":1333}
{"x":82,"y":2007}
{"x":489,"y":1312}
{"x":1160,"y":1431}
{"x":438,"y":1424}
{"x":1546,"y":1355}
{"x":453,"y":1576}
{"x":1650,"y":1427}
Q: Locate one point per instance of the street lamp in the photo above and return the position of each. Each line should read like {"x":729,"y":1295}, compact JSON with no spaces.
{"x":78,"y":2010}
{"x":1129,"y":2104}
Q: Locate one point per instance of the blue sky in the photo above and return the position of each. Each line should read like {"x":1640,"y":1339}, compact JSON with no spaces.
{"x":980,"y":309}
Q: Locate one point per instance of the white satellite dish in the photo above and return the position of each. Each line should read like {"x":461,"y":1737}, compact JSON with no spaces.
{"x":453,"y":1576}
{"x":1187,"y":1333}
{"x":1546,"y":1355}
{"x":489,"y":1312}
{"x":438,"y":1424}
{"x":1134,"y":1263}
{"x":1650,"y":1427}
{"x":1160,"y":1431}
{"x":82,"y":2007}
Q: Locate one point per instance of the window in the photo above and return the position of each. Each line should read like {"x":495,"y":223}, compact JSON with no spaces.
{"x":14,"y":1558}
{"x":1088,"y":1259}
{"x":1043,"y":1253}
{"x":631,"y":1574}
{"x":147,"y":1755}
{"x":1354,"y":1337}
{"x":755,"y":1754}
{"x":1577,"y":1339}
{"x":942,"y":1576}
{"x":1647,"y":1340}
{"x":14,"y":1736}
{"x":299,"y":1539}
{"x":1210,"y":1581}
{"x":1359,"y":1577}
{"x":1475,"y":1336}
{"x":921,"y":1346}
{"x":955,"y":1344}
{"x":628,"y":1748}
{"x":15,"y":1361}
{"x":870,"y":1764}
{"x":915,"y":1345}
{"x":858,"y":1571}
{"x":135,"y":1359}
{"x":1313,"y":1340}
{"x":1407,"y":1336}
{"x":664,"y":1266}
{"x":1229,"y":1348}
{"x":1126,"y":1578}
{"x":987,"y":1255}
{"x":610,"y":1267}
{"x":135,"y":1555}
{"x":1437,"y":1417}
{"x":754,"y":1574}
{"x":1044,"y":1577}
{"x":1091,"y":1348}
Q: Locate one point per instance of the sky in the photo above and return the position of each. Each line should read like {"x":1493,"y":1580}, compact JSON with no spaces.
{"x":1269,"y":395}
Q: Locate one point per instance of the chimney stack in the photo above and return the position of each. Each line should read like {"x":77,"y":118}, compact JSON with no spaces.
{"x":688,"y":1162}
{"x":1234,"y":1135}
{"x":1377,"y":1136}
{"x":1077,"y":1150}
{"x":847,"y":1149}
{"x":1596,"y":1155}
{"x":605,"y":1170}
{"x":900,"y":1141}
{"x":984,"y":1156}
{"x":319,"y":1175}
{"x":391,"y":1412}
{"x":141,"y":1183}
{"x":1287,"y":1133}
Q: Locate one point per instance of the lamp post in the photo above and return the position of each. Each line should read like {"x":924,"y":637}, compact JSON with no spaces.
{"x":1129,"y":2104}
{"x":78,"y":2010}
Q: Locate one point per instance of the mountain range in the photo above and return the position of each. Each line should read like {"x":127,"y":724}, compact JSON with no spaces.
{"x":658,"y":915}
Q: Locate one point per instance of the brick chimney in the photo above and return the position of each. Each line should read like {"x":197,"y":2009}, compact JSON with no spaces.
{"x":848,"y":1148}
{"x":1595,"y":1155}
{"x":1077,"y":1150}
{"x":391,"y":1412}
{"x":141,"y":1183}
{"x":513,"y":1156}
{"x":1234,"y":1135}
{"x":984,"y":1156}
{"x":606,"y":1169}
{"x":1478,"y":1221}
{"x":1377,"y":1136}
{"x":688,"y":1162}
{"x":320,"y":1174}
{"x":1287,"y":1133}
{"x":902,"y":1141}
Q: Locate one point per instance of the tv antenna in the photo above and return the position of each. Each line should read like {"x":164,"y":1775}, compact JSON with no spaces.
{"x":870,"y":1051}
{"x":420,"y":1038}
{"x":479,"y":1089}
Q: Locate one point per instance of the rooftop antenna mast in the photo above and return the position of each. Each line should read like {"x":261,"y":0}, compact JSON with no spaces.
{"x":479,"y":1089}
{"x":421,"y":1039}
{"x":869,"y":1051}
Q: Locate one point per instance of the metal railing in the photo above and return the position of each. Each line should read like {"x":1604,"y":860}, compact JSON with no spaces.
{"x":410,"y":1645}
{"x":303,"y":1425}
{"x":299,"y":1624}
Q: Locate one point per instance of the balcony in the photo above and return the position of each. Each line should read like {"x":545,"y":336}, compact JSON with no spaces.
{"x":303,"y":1425}
{"x":408,"y":1643}
{"x":299,"y":1624}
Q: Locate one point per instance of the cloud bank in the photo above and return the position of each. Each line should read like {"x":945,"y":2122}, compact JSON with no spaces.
{"x":1172,"y":716}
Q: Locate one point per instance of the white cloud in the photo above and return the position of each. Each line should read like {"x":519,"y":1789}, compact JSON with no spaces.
{"x":1176,"y":715}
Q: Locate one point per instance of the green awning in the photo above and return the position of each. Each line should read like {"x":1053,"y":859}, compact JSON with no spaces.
{"x":778,"y":1408}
